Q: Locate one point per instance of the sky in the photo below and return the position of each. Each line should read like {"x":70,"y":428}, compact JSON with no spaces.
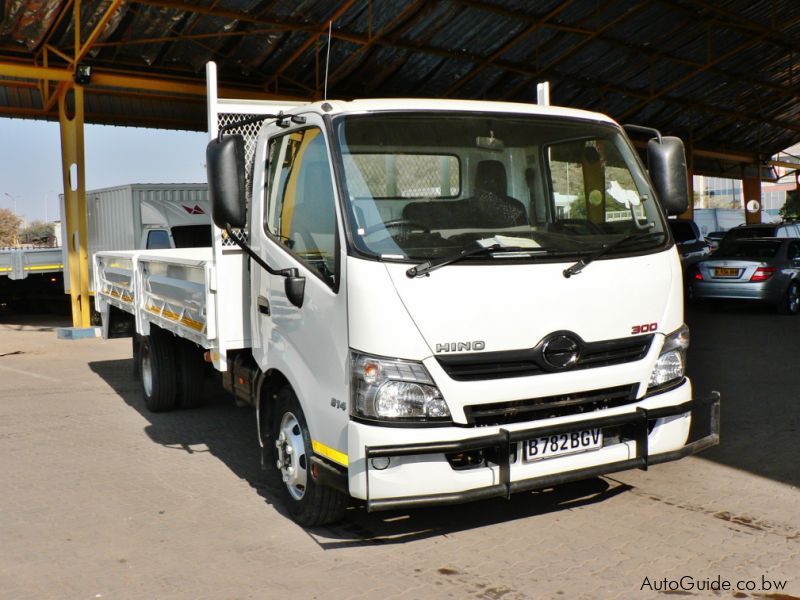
{"x":30,"y":161}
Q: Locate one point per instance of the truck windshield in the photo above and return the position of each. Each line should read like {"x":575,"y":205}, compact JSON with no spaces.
{"x":425,"y":185}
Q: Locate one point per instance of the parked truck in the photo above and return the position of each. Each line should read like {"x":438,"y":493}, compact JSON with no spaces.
{"x":31,"y":278}
{"x":393,"y":289}
{"x":143,"y":215}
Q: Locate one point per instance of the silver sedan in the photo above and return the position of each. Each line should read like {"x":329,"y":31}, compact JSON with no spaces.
{"x":759,"y":269}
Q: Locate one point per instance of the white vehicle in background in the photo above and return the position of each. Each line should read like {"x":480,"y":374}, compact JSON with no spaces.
{"x":392,"y":288}
{"x":31,"y":278}
{"x":143,"y":216}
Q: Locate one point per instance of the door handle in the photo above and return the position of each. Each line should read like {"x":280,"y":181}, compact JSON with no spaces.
{"x":263,"y":305}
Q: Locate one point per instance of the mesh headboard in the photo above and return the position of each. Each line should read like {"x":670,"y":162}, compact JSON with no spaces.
{"x":250,"y":134}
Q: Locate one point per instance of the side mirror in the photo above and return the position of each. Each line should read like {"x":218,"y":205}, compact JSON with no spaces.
{"x":295,"y":287}
{"x":666,"y":160}
{"x":226,"y":184}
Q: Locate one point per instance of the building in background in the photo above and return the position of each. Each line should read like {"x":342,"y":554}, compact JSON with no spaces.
{"x":719,"y":201}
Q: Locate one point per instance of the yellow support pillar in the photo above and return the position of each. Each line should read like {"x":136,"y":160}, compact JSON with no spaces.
{"x":74,"y":176}
{"x":751,"y":186}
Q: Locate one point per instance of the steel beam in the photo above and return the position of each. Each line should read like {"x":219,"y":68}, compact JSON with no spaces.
{"x":74,"y":178}
{"x":532,"y":28}
{"x":111,"y":79}
{"x":540,"y":72}
{"x":308,"y":43}
{"x":751,"y":188}
{"x":407,"y":12}
{"x":82,"y":50}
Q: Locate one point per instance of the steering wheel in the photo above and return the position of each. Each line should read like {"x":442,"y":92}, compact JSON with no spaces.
{"x":408,"y":223}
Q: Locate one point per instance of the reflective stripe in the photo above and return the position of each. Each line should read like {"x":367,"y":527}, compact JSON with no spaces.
{"x":168,"y":314}
{"x":43,"y":267}
{"x":127,"y":297}
{"x":328,"y":452}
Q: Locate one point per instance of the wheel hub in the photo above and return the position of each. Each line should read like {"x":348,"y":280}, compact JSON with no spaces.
{"x":291,"y":456}
{"x":147,"y":373}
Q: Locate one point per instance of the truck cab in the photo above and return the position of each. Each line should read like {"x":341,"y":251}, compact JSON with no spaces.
{"x":427,"y":301}
{"x":453,"y":340}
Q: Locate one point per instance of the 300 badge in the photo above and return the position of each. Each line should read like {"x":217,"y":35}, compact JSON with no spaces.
{"x":646,"y":328}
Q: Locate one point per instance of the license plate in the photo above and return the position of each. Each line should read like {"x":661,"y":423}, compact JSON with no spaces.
{"x":722,"y":272}
{"x":550,"y":446}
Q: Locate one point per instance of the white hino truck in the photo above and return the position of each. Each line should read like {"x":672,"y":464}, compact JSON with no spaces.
{"x":426,"y":301}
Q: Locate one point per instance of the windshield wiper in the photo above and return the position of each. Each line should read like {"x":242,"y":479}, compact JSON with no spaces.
{"x":581,"y":264}
{"x":431,"y":265}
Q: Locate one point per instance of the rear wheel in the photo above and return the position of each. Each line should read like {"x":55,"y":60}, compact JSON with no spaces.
{"x":790,"y":303}
{"x":157,"y":370}
{"x":308,"y":502}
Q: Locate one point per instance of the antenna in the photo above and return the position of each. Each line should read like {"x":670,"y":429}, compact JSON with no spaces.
{"x":327,"y":60}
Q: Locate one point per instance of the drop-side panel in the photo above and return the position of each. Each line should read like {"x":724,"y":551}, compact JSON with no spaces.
{"x":175,"y":290}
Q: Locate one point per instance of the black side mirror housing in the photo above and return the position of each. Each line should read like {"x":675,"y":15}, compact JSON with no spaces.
{"x":226,"y":182}
{"x":295,"y":287}
{"x":666,"y":160}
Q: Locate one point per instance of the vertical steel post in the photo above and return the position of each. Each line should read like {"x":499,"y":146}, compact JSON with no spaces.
{"x":73,"y":175}
{"x":751,"y":186}
{"x":689,"y":213}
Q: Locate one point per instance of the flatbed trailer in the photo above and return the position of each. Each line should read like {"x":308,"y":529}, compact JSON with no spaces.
{"x":30,"y":276}
{"x":174,"y":289}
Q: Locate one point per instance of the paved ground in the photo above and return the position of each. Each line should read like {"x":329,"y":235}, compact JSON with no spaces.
{"x":99,"y":499}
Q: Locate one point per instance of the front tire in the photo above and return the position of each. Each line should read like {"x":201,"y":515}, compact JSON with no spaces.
{"x":157,"y":370}
{"x":309,"y":503}
{"x":790,"y":303}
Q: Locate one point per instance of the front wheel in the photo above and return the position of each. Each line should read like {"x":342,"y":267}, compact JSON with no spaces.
{"x":790,"y":303}
{"x":308,"y":502}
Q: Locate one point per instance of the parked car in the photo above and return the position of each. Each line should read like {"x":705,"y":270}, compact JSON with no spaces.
{"x":714,"y":238}
{"x":755,"y":269}
{"x":762,"y":230}
{"x":691,"y":244}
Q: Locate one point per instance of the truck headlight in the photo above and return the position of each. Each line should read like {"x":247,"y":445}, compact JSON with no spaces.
{"x":388,"y":389}
{"x":671,"y":364}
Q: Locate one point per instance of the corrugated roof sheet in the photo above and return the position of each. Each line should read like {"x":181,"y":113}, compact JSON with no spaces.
{"x":722,"y":74}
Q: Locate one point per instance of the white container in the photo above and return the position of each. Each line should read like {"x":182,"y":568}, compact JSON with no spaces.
{"x":141,"y":216}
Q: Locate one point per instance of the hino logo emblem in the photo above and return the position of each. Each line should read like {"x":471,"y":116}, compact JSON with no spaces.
{"x":461,"y":346}
{"x":561,"y":351}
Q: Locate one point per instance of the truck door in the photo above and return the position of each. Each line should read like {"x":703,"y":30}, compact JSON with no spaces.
{"x":299,"y":227}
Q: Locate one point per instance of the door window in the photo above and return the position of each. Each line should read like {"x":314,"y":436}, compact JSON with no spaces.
{"x":301,"y":214}
{"x":593,"y":186}
{"x":791,"y":231}
{"x":158,"y":239}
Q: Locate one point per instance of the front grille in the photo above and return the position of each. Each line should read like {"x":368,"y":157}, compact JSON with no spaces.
{"x":522,"y":363}
{"x":502,"y":413}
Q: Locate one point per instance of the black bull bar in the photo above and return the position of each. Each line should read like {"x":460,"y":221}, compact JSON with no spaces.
{"x":503,"y":441}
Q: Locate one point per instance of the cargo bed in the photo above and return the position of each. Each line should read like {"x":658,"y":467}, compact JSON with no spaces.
{"x":176,"y":290}
{"x":18,"y":263}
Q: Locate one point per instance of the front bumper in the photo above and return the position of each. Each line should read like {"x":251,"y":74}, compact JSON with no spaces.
{"x":504,"y":442}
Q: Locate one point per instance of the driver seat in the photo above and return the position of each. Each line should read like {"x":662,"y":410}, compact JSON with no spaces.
{"x":495,"y":207}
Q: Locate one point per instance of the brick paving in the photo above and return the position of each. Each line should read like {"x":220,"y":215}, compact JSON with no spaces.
{"x":101,"y":499}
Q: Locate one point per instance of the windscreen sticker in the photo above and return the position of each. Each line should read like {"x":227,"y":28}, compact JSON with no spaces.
{"x":620,"y":194}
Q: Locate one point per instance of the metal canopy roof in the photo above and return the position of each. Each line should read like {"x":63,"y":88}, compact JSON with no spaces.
{"x":718,"y":73}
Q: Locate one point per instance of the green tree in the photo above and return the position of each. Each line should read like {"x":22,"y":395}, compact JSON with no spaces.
{"x":9,"y":227}
{"x":789,"y":210}
{"x":37,"y":232}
